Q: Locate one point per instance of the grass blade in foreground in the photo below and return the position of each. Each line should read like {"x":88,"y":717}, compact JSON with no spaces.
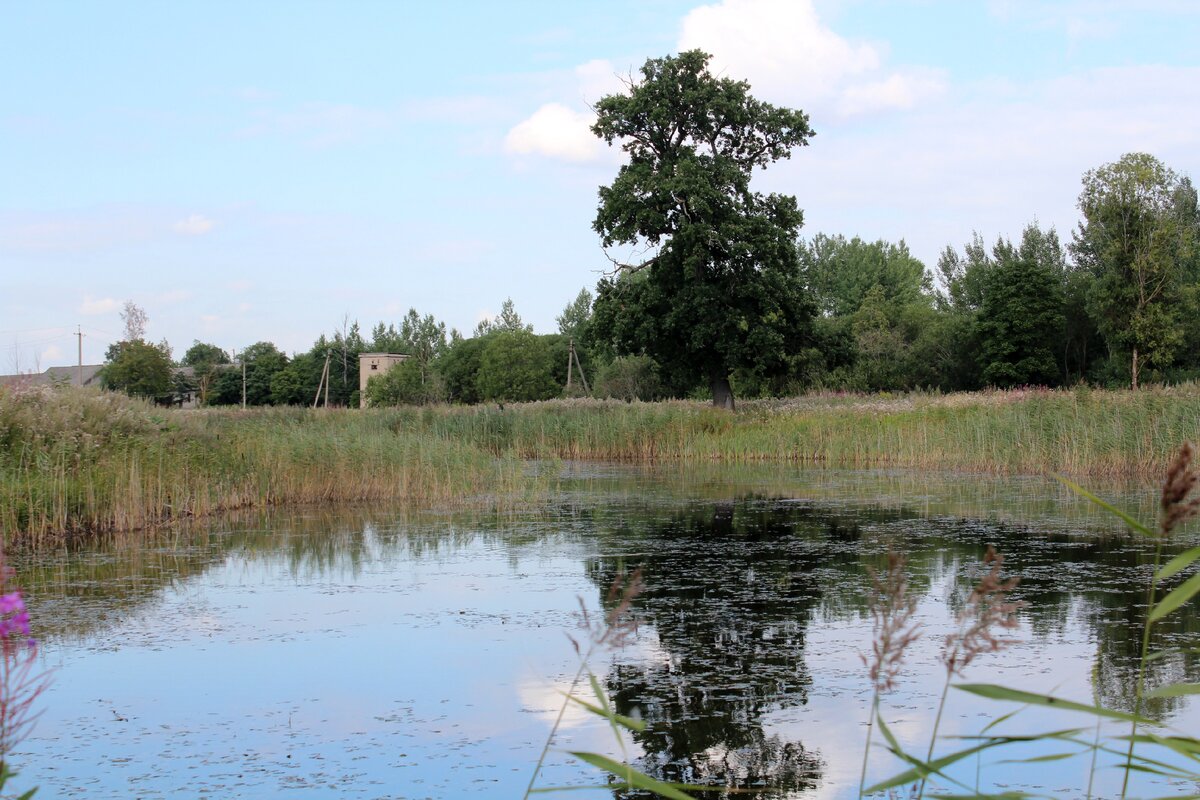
{"x":994,"y":692}
{"x":1133,"y":524}
{"x":637,"y":780}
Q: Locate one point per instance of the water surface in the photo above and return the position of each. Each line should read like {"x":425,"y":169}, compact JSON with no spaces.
{"x":388,"y":655}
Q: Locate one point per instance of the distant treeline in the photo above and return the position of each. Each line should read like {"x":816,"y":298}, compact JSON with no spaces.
{"x":1118,"y":305}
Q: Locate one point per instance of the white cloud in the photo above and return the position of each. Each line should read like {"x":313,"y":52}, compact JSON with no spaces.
{"x":598,"y":78}
{"x":93,"y":307}
{"x":1015,"y":152}
{"x":90,"y":230}
{"x":193,"y":225}
{"x":51,"y":354}
{"x":171,"y":297}
{"x":790,"y":58}
{"x":556,"y":131}
{"x":899,"y":92}
{"x":779,"y":46}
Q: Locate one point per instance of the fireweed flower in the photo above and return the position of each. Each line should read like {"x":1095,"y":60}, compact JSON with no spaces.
{"x":21,"y":682}
{"x":14,"y":618}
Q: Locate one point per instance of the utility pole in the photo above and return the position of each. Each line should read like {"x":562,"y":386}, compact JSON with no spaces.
{"x":79,"y":335}
{"x":324,"y":382}
{"x":573,"y":359}
{"x":243,"y":379}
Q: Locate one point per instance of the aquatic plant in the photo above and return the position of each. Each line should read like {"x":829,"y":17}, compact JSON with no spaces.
{"x":893,"y":631}
{"x":21,"y":682}
{"x":610,"y":631}
{"x":78,"y":462}
{"x":990,"y":607}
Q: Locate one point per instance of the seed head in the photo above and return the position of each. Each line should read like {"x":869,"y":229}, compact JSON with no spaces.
{"x":617,"y":626}
{"x":1182,"y":477}
{"x":891,"y":610}
{"x":988,"y":610}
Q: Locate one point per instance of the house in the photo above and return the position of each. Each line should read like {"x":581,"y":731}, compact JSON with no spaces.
{"x":56,"y":375}
{"x":372,"y":364}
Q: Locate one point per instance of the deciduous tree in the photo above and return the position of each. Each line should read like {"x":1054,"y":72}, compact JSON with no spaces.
{"x":1138,"y":239}
{"x":721,"y":289}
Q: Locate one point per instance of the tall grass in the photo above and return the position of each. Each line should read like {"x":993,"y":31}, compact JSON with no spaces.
{"x":1079,"y":432}
{"x":76,"y":462}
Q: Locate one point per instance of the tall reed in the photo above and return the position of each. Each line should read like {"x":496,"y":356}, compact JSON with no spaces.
{"x":76,"y":462}
{"x":1030,"y":431}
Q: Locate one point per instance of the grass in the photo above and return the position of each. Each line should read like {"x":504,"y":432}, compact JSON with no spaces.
{"x":76,"y":463}
{"x":1076,"y":432}
{"x":79,"y":462}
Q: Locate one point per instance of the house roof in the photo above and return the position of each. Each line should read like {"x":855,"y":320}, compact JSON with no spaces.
{"x":53,"y":375}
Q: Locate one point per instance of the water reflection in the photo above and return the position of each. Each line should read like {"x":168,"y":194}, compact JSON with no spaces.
{"x":744,"y":569}
{"x":733,"y":587}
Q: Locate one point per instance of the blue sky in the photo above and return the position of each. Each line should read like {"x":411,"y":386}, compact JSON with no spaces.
{"x":251,"y":171}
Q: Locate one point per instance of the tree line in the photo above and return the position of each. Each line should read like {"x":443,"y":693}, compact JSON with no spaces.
{"x":728,"y":299}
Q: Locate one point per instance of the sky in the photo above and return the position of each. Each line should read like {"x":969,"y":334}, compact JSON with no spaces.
{"x":271,"y":171}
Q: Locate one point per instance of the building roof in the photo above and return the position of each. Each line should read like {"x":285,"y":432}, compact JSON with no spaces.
{"x":53,"y":375}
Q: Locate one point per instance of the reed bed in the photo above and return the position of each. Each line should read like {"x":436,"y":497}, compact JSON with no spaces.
{"x":76,"y":463}
{"x":1116,"y":434}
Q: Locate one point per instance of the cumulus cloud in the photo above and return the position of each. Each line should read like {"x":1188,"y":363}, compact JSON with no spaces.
{"x":1015,"y":152}
{"x":780,"y":47}
{"x":93,"y":306}
{"x":791,"y":58}
{"x":193,"y":225}
{"x":898,"y":91}
{"x":556,"y":131}
{"x":597,"y":78}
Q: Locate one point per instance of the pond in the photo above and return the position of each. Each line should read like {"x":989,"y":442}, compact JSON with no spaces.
{"x":372,"y":654}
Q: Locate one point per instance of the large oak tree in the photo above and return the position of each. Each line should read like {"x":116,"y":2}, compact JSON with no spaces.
{"x":721,"y":289}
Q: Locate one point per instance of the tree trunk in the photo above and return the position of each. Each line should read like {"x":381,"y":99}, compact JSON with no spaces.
{"x":721,"y":391}
{"x":1134,"y":371}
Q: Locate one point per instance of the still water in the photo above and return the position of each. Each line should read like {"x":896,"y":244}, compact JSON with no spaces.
{"x":381,"y":654}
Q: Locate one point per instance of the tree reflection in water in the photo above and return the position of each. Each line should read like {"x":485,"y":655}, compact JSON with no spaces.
{"x":731,"y":589}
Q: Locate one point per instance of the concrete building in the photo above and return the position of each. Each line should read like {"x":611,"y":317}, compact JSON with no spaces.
{"x":372,"y":364}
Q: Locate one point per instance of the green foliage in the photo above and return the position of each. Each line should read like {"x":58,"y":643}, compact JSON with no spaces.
{"x":406,"y":384}
{"x":629,"y":378}
{"x":507,"y":320}
{"x":1021,"y":319}
{"x":138,"y":368}
{"x":839,"y":273}
{"x":202,"y":354}
{"x":1139,"y":241}
{"x":576,"y":317}
{"x":723,"y":290}
{"x":261,"y":360}
{"x":296,"y":384}
{"x":516,"y":366}
{"x":459,"y":369}
{"x":205,"y":360}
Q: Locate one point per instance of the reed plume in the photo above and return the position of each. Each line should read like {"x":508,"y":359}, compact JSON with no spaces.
{"x":893,"y":631}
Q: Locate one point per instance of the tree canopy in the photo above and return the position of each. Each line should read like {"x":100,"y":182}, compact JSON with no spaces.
{"x":721,"y":291}
{"x":1138,"y":239}
{"x":138,"y":368}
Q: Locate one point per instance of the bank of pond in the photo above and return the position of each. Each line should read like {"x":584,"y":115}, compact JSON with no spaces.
{"x":76,"y":463}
